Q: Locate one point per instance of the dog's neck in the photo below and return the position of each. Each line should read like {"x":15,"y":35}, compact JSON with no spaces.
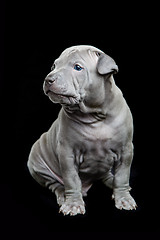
{"x":87,"y":118}
{"x":108,"y":109}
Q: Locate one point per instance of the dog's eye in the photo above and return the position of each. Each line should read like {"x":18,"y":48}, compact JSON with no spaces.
{"x":53,"y":67}
{"x":77,"y":67}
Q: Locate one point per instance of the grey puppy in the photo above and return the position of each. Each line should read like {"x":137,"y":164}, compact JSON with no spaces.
{"x":92,"y":136}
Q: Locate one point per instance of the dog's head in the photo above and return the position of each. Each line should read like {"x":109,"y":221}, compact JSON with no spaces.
{"x":79,"y":76}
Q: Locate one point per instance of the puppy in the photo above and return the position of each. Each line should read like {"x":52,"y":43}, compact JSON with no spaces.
{"x":92,"y":136}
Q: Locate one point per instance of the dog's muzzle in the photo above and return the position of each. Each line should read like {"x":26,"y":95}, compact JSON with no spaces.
{"x":57,"y":90}
{"x":48,"y":84}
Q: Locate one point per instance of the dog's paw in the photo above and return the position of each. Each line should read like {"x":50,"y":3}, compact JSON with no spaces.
{"x":124,"y":201}
{"x":72,"y":207}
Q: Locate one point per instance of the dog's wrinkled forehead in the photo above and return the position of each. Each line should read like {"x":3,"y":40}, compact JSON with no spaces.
{"x":80,"y":48}
{"x":85,"y":53}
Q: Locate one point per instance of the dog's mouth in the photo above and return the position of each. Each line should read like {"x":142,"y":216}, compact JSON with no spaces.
{"x":62,"y":98}
{"x":48,"y":91}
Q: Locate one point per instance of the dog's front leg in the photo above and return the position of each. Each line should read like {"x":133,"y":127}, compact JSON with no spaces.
{"x":121,"y":188}
{"x":74,"y":203}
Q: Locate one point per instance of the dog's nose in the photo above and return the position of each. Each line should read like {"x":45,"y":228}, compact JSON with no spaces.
{"x":50,"y":80}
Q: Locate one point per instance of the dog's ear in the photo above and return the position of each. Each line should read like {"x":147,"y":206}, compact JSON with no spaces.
{"x":106,"y":65}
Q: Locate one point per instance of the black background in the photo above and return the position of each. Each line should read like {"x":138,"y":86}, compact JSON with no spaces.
{"x":36,"y":32}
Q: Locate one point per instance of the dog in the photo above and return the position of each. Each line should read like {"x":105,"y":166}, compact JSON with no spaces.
{"x":92,"y":137}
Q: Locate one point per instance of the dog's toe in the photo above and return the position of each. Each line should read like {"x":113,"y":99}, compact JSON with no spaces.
{"x":72,"y":208}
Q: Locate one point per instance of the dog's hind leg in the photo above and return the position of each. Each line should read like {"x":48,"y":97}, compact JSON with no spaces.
{"x":41,"y":172}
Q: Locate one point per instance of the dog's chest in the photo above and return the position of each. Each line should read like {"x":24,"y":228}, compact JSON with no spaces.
{"x":95,"y":154}
{"x":96,"y":136}
{"x":96,"y":158}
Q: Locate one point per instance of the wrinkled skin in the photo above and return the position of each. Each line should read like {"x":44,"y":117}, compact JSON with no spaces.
{"x":92,"y":136}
